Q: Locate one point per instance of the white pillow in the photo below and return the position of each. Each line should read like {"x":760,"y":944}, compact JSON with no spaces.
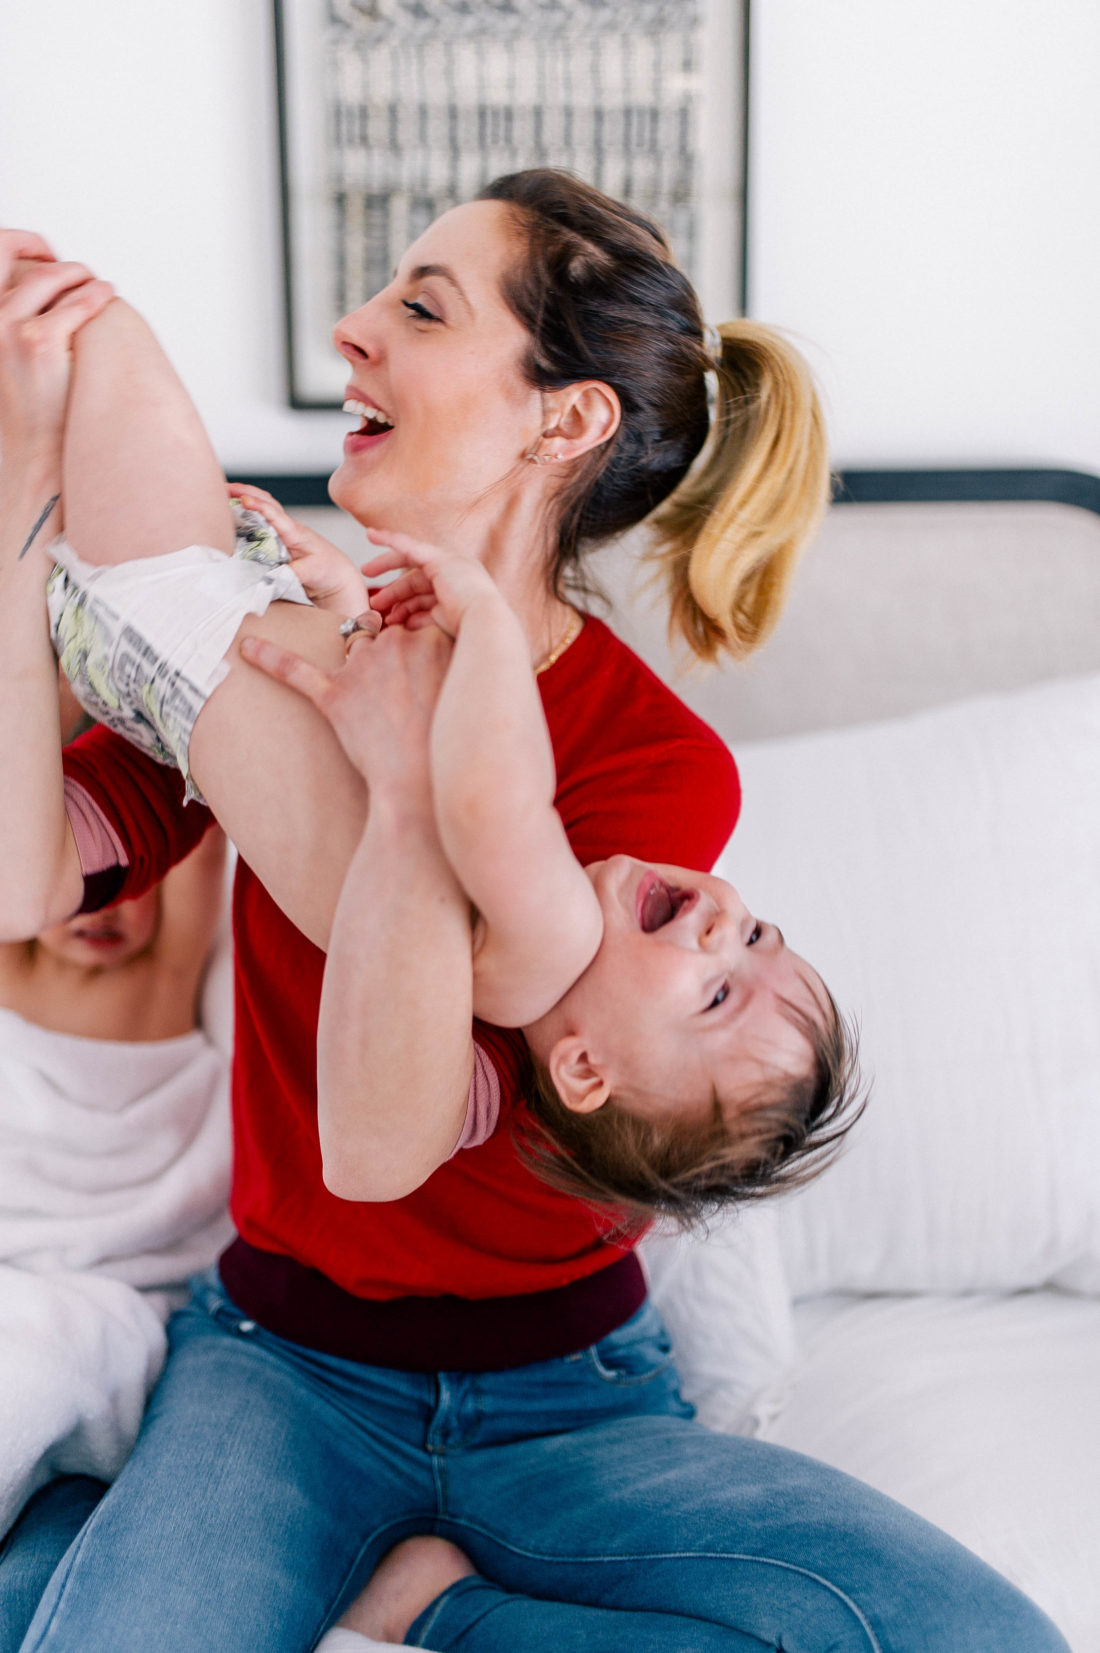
{"x":725,"y":1301}
{"x":943,"y":873}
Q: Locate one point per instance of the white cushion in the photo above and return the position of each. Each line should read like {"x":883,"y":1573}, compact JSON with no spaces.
{"x":724,"y":1298}
{"x":977,"y":1412}
{"x":943,"y":873}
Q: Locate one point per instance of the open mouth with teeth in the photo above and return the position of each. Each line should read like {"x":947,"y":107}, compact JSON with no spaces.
{"x":659,"y":903}
{"x":372,"y":421}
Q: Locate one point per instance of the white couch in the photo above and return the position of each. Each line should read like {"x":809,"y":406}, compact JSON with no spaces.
{"x":927,"y":1315}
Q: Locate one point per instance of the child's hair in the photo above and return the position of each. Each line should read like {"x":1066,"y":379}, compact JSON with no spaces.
{"x":781,"y":1136}
{"x":601,"y":299}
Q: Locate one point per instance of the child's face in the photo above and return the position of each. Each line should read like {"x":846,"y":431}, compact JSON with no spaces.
{"x":107,"y":939}
{"x":686,"y":1000}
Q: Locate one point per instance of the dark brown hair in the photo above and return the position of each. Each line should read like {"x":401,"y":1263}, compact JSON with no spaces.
{"x":601,"y":298}
{"x":779,"y":1137}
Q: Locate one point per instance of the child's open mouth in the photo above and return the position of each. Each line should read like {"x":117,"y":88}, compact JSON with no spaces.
{"x":658,"y":902}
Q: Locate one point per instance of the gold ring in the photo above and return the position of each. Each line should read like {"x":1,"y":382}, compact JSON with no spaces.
{"x":351,"y":629}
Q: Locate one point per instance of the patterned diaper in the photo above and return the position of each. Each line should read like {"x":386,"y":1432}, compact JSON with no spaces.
{"x":143,"y":643}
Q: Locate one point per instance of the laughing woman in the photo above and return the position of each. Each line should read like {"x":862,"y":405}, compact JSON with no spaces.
{"x":475,"y":1360}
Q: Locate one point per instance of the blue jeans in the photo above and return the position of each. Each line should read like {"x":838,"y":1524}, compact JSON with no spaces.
{"x":268,"y":1481}
{"x":31,"y":1550}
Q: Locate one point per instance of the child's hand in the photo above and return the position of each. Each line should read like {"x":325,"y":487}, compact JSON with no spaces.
{"x":329,"y":577}
{"x":437,"y":588}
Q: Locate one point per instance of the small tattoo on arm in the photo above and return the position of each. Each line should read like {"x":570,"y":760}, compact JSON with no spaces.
{"x":32,"y":536}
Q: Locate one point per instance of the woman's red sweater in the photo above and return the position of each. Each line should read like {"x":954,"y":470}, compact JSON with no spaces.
{"x":638,"y":773}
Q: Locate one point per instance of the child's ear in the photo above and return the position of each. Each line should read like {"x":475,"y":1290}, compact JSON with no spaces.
{"x":577,"y":1078}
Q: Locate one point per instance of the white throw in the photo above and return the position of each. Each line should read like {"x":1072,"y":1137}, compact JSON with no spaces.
{"x":114,"y":1170}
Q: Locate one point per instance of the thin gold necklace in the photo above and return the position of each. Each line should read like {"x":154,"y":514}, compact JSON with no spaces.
{"x":570,"y":635}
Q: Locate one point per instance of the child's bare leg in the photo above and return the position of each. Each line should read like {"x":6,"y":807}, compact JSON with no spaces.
{"x":274,"y":774}
{"x":403,"y":1584}
{"x":139,"y":476}
{"x":139,"y":479}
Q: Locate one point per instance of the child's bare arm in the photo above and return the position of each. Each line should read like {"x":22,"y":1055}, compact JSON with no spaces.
{"x":394,"y":1045}
{"x":493,"y":782}
{"x":192,"y":898}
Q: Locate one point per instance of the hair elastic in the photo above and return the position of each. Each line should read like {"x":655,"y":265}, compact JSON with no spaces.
{"x":712,"y":339}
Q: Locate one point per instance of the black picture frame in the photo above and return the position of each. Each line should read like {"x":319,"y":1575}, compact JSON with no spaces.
{"x":380,"y":129}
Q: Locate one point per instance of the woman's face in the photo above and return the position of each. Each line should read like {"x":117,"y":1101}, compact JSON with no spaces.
{"x":437,"y":353}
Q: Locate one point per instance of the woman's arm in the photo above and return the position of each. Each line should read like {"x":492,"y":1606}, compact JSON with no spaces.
{"x":394,"y":1046}
{"x":395,"y":1054}
{"x":40,"y":877}
{"x":493,"y":782}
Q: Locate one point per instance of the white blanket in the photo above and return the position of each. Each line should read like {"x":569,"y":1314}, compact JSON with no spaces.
{"x":114,"y":1169}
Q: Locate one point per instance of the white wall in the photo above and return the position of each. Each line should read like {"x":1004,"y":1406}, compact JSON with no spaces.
{"x":925,"y":183}
{"x":924,"y":208}
{"x":141,"y":136}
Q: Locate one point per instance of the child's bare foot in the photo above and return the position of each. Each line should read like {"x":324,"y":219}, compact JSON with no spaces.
{"x":403,"y":1584}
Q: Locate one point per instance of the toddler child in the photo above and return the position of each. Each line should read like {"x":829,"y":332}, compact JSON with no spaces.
{"x":682,"y":1054}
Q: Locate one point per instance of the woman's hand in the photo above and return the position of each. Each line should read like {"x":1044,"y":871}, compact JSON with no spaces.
{"x":380,"y":702}
{"x":437,"y":588}
{"x":43,"y":303}
{"x":329,"y":577}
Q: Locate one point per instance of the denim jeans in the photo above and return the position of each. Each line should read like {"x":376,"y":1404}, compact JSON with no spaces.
{"x":31,"y":1550}
{"x":268,"y":1481}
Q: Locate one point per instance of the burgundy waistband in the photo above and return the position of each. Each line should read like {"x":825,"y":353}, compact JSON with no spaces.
{"x":430,"y":1334}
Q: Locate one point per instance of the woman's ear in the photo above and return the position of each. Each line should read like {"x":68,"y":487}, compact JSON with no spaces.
{"x":576,"y":1076}
{"x":580,"y":417}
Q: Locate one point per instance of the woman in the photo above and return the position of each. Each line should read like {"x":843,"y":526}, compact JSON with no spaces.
{"x":475,"y":1360}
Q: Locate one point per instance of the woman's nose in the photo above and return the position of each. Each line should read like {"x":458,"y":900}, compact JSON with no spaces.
{"x":354,"y":334}
{"x":350,"y":351}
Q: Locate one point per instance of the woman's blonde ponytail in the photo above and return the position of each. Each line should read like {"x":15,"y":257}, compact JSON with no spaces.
{"x":729,"y":537}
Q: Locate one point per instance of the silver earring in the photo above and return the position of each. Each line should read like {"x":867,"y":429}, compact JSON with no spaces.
{"x":537,"y":458}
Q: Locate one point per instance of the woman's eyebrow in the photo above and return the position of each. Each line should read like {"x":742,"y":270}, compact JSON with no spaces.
{"x":422,"y":270}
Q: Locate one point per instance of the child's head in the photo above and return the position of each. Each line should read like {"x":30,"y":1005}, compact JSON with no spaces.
{"x":697,"y":1059}
{"x":107,"y":939}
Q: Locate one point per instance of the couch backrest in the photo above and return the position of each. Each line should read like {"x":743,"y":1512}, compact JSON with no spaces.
{"x":896,"y":608}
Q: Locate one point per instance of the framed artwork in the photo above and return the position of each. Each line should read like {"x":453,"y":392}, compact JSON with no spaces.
{"x":391,"y":111}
